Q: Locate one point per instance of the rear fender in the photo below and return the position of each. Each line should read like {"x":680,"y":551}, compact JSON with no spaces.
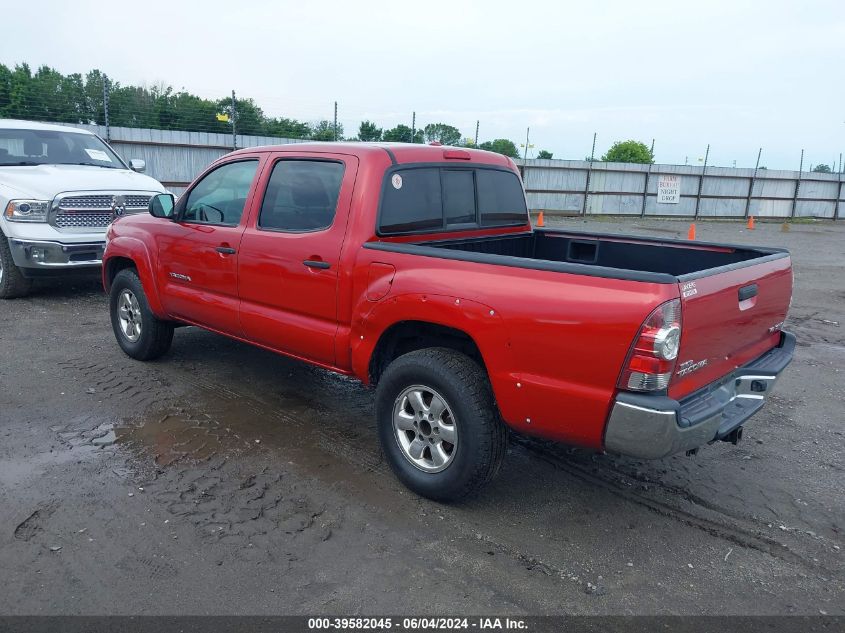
{"x":478,"y":321}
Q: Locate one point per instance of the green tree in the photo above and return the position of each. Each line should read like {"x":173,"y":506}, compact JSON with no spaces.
{"x":94,"y":110}
{"x":287,"y":128}
{"x":324,"y":131}
{"x":249,"y":118}
{"x":501,"y":146}
{"x":628,"y":152}
{"x":131,"y":106}
{"x":18,"y":93}
{"x":544,"y":154}
{"x":402,"y":134}
{"x":368,"y":131}
{"x":442,"y":133}
{"x":822,"y":169}
{"x":193,"y":113}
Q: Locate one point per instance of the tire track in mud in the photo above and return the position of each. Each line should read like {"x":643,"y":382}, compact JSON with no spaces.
{"x":723,"y":524}
{"x":228,"y":505}
{"x":193,"y":470}
{"x":814,"y":328}
{"x":343,"y":442}
{"x":126,"y":380}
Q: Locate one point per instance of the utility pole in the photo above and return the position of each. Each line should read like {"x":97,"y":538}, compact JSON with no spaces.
{"x":701,"y":181}
{"x":527,"y":131}
{"x":413,"y":127}
{"x":335,"y":120}
{"x":647,"y":179}
{"x":234,"y":131}
{"x":589,"y":175}
{"x":836,"y":211}
{"x":106,"y":107}
{"x":751,"y":184}
{"x":797,"y":184}
{"x":477,"y":123}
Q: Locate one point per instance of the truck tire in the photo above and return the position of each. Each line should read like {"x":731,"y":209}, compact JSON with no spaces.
{"x":438,"y":424}
{"x":137,"y":330}
{"x":12,"y":283}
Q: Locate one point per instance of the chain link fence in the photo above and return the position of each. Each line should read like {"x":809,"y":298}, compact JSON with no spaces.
{"x":178,"y":134}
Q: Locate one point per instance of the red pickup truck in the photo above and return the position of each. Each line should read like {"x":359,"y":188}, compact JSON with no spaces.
{"x":415,"y":268}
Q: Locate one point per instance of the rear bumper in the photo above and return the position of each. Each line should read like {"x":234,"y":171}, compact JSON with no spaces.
{"x":651,"y":427}
{"x":39,"y":255}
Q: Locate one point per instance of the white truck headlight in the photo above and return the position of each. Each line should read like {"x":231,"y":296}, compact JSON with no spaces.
{"x":27,"y":210}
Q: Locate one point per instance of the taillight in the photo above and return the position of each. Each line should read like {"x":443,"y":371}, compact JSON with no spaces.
{"x":651,"y":361}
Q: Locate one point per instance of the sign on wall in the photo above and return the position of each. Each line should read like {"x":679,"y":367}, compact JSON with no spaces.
{"x":668,"y":189}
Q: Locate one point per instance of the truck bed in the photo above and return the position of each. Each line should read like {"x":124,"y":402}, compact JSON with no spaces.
{"x":734,"y":298}
{"x":623,"y":257}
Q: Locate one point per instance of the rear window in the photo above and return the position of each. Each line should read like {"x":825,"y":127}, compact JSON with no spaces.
{"x":500,"y":198}
{"x":412,"y":201}
{"x":438,"y":198}
{"x":458,"y":195}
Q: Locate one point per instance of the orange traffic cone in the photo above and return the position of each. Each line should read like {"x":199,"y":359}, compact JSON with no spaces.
{"x":750,"y":222}
{"x":691,"y":232}
{"x":540,"y":219}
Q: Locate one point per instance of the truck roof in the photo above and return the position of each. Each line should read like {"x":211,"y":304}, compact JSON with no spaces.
{"x":401,"y":152}
{"x":19,"y":124}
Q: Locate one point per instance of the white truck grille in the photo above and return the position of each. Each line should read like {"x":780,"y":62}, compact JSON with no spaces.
{"x":95,"y":210}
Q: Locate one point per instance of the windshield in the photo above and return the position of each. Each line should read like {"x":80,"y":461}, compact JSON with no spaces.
{"x":47,"y":147}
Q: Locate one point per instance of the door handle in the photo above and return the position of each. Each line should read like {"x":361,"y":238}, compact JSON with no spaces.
{"x":225,"y":250}
{"x":314,"y":263}
{"x":747,"y":292}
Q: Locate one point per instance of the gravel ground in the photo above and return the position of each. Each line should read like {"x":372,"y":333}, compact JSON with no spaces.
{"x":225,"y":479}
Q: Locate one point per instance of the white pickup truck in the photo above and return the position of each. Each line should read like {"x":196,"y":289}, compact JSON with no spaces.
{"x":60,"y":188}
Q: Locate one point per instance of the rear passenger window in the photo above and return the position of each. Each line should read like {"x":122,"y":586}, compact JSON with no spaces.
{"x":412,"y":201}
{"x":500,"y":198}
{"x":301,"y":195}
{"x":458,"y":196}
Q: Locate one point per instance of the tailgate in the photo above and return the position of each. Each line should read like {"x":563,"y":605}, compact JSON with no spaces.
{"x":729,"y":318}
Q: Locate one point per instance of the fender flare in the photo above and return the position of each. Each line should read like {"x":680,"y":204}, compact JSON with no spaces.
{"x":480,"y":322}
{"x":134,"y":249}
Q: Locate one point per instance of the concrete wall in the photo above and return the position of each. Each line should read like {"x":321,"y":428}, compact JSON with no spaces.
{"x":631,"y":189}
{"x":176,"y":157}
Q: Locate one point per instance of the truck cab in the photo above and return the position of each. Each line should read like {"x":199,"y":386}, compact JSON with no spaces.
{"x":60,"y":187}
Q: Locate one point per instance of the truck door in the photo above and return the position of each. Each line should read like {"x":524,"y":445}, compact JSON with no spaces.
{"x":290,"y":252}
{"x":198,"y":254}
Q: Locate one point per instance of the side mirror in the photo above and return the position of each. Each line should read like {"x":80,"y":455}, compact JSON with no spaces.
{"x":161,"y":205}
{"x":136,"y":164}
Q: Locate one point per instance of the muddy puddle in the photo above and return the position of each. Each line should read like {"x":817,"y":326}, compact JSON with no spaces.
{"x":177,"y":435}
{"x":227,"y":468}
{"x":230,"y":425}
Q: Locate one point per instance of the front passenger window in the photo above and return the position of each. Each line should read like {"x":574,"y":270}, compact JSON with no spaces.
{"x":220,"y":197}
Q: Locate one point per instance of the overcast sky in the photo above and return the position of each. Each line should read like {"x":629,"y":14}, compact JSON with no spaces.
{"x":737,"y":75}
